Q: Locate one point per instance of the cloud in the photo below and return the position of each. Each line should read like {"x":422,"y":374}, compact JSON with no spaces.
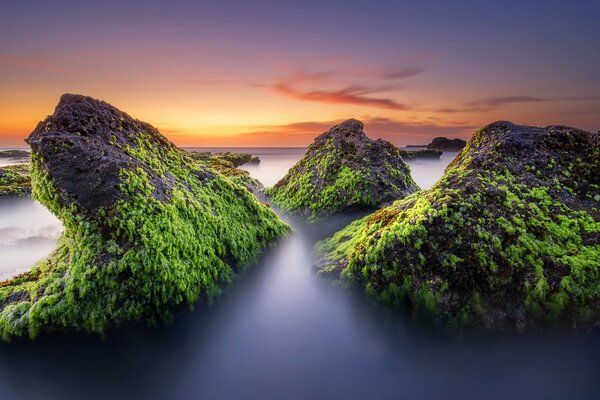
{"x":28,"y":63}
{"x":349,"y":95}
{"x":340,"y":86}
{"x":397,"y":131}
{"x":497,"y":102}
{"x":494,"y":102}
{"x":355,"y":85}
{"x":392,"y":72}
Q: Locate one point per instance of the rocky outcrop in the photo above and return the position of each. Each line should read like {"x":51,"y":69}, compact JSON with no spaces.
{"x":508,"y":238}
{"x":146,"y":229}
{"x":238,"y":159}
{"x":14,"y":154}
{"x":445,"y":144}
{"x":228,"y":168}
{"x":343,"y":170}
{"x":430,"y":154}
{"x":14,"y":183}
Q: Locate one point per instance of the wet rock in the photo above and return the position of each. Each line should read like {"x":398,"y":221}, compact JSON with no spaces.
{"x":343,"y":170}
{"x":228,"y":168}
{"x":146,"y":229}
{"x":13,"y":183}
{"x":430,"y":154}
{"x":14,"y":154}
{"x":445,"y":144}
{"x":238,"y":159}
{"x":507,"y":239}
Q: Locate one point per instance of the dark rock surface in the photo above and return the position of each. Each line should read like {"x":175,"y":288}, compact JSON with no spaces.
{"x":14,"y":183}
{"x":430,"y":154}
{"x":81,"y":145}
{"x":509,"y":238}
{"x":445,"y":144}
{"x":14,"y":154}
{"x":227,"y":168}
{"x":146,"y":228}
{"x":343,"y":170}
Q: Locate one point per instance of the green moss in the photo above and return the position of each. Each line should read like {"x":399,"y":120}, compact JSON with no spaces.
{"x":143,"y":256}
{"x":225,"y":166}
{"x":343,"y":170}
{"x":14,"y":182}
{"x":486,"y":245}
{"x":416,"y":154}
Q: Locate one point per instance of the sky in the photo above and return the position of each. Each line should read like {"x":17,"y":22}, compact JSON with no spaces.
{"x":278,"y":73}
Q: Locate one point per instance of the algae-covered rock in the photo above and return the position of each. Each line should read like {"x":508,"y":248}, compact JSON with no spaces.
{"x":343,"y":170}
{"x":145,"y":228}
{"x":445,"y":144}
{"x":431,"y":154}
{"x":13,"y":182}
{"x":238,"y":159}
{"x":20,"y":168}
{"x":508,"y":238}
{"x":14,"y":154}
{"x":227,"y":168}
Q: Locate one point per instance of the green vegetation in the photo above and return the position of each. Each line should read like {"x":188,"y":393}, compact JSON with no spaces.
{"x":504,"y":239}
{"x":415,"y":154}
{"x":238,"y":159}
{"x":343,"y":170}
{"x":139,"y":257}
{"x":14,"y":154}
{"x":13,"y":182}
{"x":227,"y":168}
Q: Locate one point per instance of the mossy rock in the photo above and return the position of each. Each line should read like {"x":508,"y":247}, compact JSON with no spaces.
{"x":238,"y":159}
{"x":146,"y":229}
{"x":21,"y":168}
{"x":228,"y":168}
{"x":509,"y":238}
{"x":343,"y":170}
{"x":13,"y":183}
{"x":14,"y":154}
{"x":445,"y":144}
{"x":432,"y":154}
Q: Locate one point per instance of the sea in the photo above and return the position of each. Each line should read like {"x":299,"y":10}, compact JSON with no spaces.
{"x":282,"y":333}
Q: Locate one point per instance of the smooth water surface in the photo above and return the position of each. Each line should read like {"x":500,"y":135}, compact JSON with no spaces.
{"x":281,"y":333}
{"x":28,"y":233}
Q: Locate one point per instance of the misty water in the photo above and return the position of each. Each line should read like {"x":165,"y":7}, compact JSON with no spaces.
{"x":281,"y":333}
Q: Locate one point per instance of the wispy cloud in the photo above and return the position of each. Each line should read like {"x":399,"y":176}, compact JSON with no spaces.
{"x":349,"y":95}
{"x":395,"y":130}
{"x":30,"y":63}
{"x":340,"y":86}
{"x":335,"y":84}
{"x":494,"y":102}
{"x":390,"y":73}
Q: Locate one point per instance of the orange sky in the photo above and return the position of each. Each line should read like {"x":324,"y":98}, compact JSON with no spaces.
{"x":213,"y":77}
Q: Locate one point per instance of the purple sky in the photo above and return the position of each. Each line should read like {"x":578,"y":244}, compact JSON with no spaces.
{"x":278,"y":73}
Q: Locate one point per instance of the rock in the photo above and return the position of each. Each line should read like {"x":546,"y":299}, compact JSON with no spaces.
{"x":146,"y":229}
{"x":238,"y":159}
{"x":14,"y":154}
{"x":445,"y":144}
{"x":432,"y":154}
{"x":228,"y":169}
{"x":343,"y":170}
{"x":13,"y":183}
{"x":509,"y":238}
{"x":21,"y":168}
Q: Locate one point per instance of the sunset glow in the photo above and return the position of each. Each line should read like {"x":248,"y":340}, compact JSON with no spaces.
{"x":276,"y":74}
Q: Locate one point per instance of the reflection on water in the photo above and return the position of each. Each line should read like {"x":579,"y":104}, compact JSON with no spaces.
{"x":28,"y":233}
{"x":281,"y":333}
